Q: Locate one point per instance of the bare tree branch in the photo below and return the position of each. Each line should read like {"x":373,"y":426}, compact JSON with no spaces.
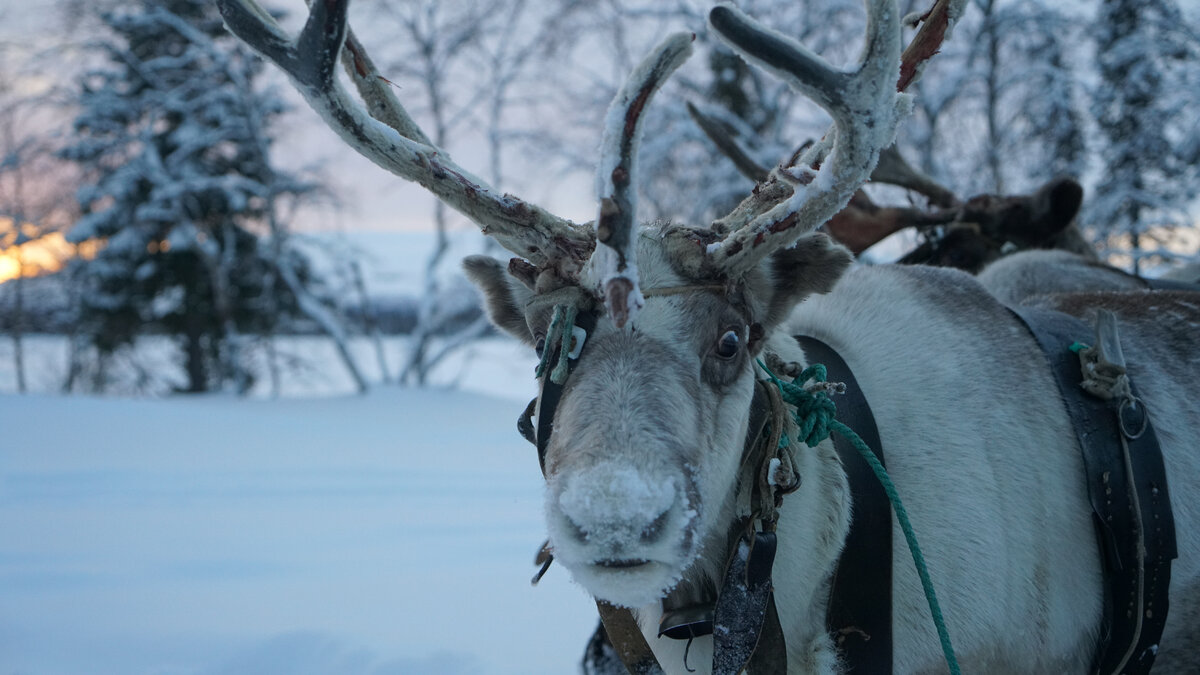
{"x":523,"y":228}
{"x":720,"y":136}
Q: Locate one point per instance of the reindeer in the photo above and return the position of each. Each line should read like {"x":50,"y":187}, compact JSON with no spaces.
{"x":1021,"y":277}
{"x":655,"y":340}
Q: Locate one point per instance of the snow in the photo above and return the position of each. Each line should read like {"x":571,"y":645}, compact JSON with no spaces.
{"x":616,"y":491}
{"x":391,"y":533}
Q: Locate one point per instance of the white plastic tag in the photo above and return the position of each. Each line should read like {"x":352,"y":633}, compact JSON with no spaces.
{"x":578,"y":337}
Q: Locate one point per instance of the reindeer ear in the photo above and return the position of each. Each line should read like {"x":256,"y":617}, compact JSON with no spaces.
{"x":813,"y":265}
{"x":504,"y":296}
{"x":1056,"y":204}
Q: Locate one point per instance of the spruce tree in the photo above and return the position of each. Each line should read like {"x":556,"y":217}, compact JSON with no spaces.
{"x":170,"y":134}
{"x":1142,"y":106}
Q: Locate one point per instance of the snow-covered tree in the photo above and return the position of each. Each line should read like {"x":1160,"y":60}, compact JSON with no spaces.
{"x":1001,"y":109}
{"x":438,"y":37}
{"x":170,"y":136}
{"x":1145,"y":108}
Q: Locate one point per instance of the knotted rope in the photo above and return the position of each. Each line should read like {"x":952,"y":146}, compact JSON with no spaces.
{"x":814,"y":414}
{"x":565,"y":304}
{"x":562,"y":324}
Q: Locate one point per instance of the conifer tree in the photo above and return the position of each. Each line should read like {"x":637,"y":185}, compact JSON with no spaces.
{"x":170,"y":136}
{"x":1143,"y":106}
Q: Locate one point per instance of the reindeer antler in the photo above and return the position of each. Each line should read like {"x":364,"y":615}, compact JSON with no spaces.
{"x":385,"y":134}
{"x":614,"y":262}
{"x":780,"y":186}
{"x":865,"y":108}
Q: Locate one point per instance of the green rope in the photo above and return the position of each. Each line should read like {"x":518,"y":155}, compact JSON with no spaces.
{"x":815,"y":416}
{"x":544,"y":359}
{"x":562,"y":322}
{"x":560,"y":372}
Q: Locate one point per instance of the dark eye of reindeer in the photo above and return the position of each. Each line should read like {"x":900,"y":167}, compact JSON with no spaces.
{"x":727,"y":346}
{"x":540,"y":345}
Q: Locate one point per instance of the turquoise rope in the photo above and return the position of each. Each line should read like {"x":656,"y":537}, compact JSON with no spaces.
{"x":567,"y":327}
{"x":562,"y":322}
{"x":547,"y":349}
{"x":815,"y":417}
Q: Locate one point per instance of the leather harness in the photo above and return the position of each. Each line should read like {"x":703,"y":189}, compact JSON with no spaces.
{"x":1131,"y":508}
{"x":859,"y":615}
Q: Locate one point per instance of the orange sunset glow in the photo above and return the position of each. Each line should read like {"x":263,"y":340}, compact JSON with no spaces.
{"x":38,"y":255}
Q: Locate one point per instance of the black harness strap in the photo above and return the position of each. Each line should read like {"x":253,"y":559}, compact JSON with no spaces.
{"x":543,"y":407}
{"x":860,"y":604}
{"x":1161,"y":284}
{"x":1135,"y":606}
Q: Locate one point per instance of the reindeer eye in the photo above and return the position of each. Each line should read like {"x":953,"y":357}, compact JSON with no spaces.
{"x":540,"y":345}
{"x":727,"y":346}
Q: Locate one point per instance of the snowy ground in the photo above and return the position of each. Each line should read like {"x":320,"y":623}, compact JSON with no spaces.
{"x":387,"y":534}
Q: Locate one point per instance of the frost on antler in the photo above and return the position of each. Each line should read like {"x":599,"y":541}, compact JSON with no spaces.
{"x":865,"y":108}
{"x":386,"y":135}
{"x":613,"y":266}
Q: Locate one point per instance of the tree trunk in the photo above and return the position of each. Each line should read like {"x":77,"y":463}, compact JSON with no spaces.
{"x":369,"y":320}
{"x":197,"y":370}
{"x":18,"y":323}
{"x":992,"y":88}
{"x":313,"y":309}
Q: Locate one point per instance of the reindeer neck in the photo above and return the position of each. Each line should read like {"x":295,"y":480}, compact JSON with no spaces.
{"x":811,"y":524}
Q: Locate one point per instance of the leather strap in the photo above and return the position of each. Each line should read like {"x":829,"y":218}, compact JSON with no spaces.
{"x":550,"y":392}
{"x":741,"y":610}
{"x":860,"y":604}
{"x":627,"y":640}
{"x":1161,"y":284}
{"x":1127,"y":488}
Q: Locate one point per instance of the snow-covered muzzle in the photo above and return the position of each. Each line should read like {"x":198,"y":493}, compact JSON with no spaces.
{"x":626,"y":535}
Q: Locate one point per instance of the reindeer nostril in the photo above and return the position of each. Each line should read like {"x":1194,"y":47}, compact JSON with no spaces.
{"x":577,"y":532}
{"x":654,"y":530}
{"x":613,"y":508}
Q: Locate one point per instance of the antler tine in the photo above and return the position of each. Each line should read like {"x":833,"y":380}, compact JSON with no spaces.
{"x":386,"y":135}
{"x":614,"y":264}
{"x":375,"y":91}
{"x":936,"y":25}
{"x":865,"y":108}
{"x":861,"y":224}
{"x":893,"y":169}
{"x":720,"y":137}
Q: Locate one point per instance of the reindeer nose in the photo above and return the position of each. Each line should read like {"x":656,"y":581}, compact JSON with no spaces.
{"x":615,"y":506}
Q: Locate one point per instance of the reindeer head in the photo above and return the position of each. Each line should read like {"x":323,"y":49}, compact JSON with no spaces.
{"x":987,"y":227}
{"x":661,"y":323}
{"x":648,"y":433}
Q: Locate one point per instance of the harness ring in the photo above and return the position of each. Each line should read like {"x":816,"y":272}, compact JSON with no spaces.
{"x":1133,"y":403}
